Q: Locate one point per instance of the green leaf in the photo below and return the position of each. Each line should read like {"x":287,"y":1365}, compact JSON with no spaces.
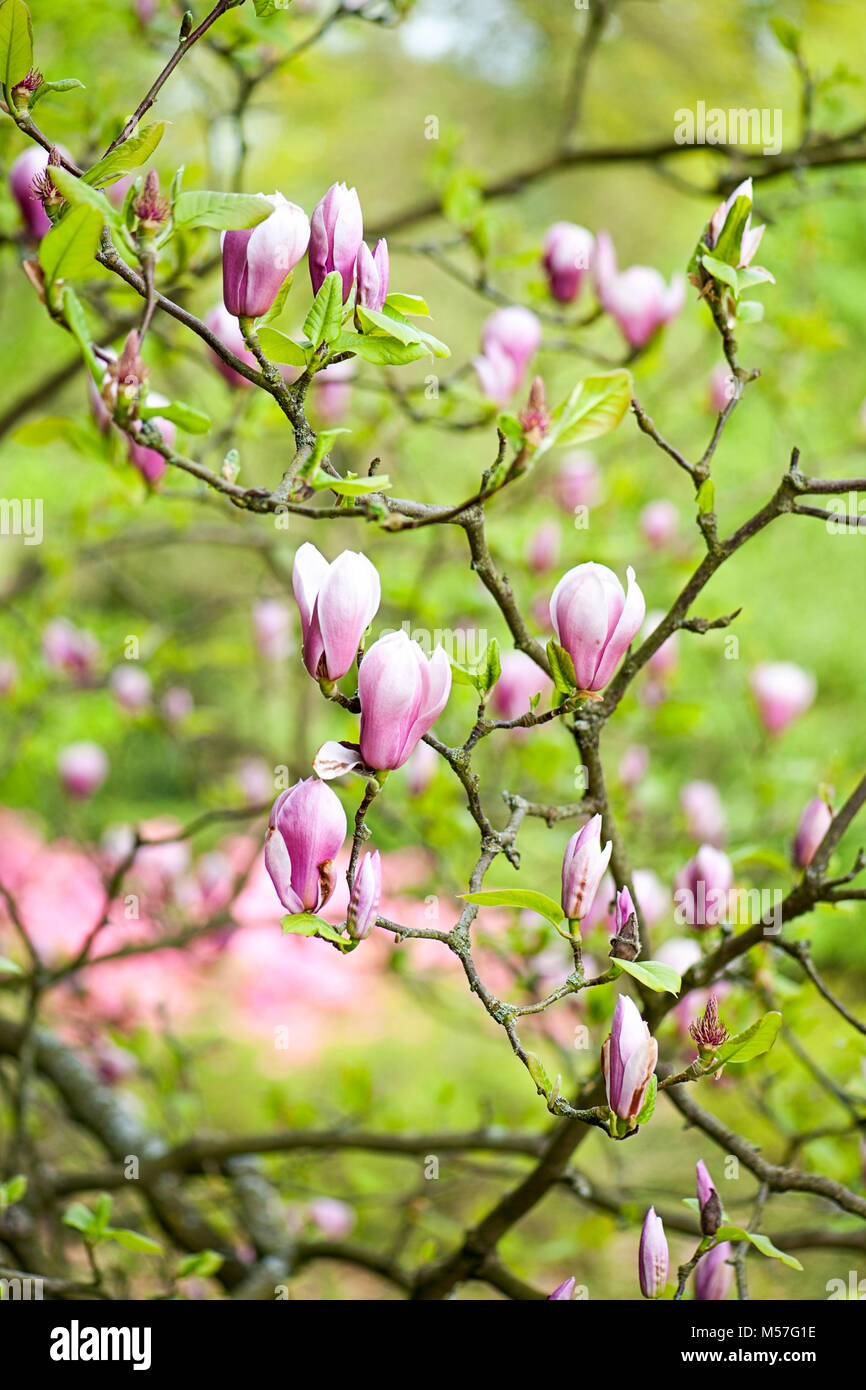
{"x":226,"y":212}
{"x":510,"y":426}
{"x":754,"y":275}
{"x":408,"y":304}
{"x":8,"y":967}
{"x":706,"y":496}
{"x":352,"y":487}
{"x":518,"y":897}
{"x":67,"y":251}
{"x":16,"y":42}
{"x":80,"y":1218}
{"x":133,"y":1240}
{"x":493,"y":665}
{"x":561,"y":668}
{"x":77,"y":192}
{"x":787,"y":34}
{"x":279,"y":303}
{"x":130,"y":155}
{"x":306,"y":924}
{"x":730,"y":239}
{"x":662,"y":978}
{"x":323,"y":445}
{"x":382,"y":352}
{"x":394,"y":325}
{"x":594,"y":407}
{"x":12,"y":1191}
{"x":323,"y":322}
{"x":76,"y":318}
{"x":760,"y":1242}
{"x":187,"y":416}
{"x":754,"y":1041}
{"x":750,"y":311}
{"x":265,"y":9}
{"x":536,"y":1070}
{"x":720,"y":270}
{"x":463,"y":676}
{"x":279,"y":347}
{"x":202,"y":1263}
{"x":649,"y":1105}
{"x":52,"y":429}
{"x":66,"y":84}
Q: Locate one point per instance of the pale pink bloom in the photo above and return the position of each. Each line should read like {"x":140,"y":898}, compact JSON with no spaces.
{"x":335,"y":1219}
{"x":659,"y":522}
{"x":542,"y":552}
{"x":633,"y":764}
{"x":332,"y":391}
{"x":228,"y":330}
{"x":337,"y":603}
{"x":595,"y":620}
{"x":705,"y":814}
{"x":131,"y":687}
{"x":813,"y":825}
{"x":782,"y":691}
{"x":567,"y":259}
{"x":272,"y":628}
{"x":67,"y":648}
{"x":721,"y":388}
{"x":521,"y":678}
{"x":578,"y":482}
{"x":83,"y":767}
{"x":637,"y":298}
{"x":177,"y":704}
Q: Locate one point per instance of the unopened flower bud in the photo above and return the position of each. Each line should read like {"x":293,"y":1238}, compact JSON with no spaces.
{"x":653,"y":1256}
{"x":535,"y":419}
{"x":150,"y":207}
{"x":365,"y":897}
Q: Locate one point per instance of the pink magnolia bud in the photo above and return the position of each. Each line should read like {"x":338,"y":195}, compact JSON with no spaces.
{"x":595,"y":621}
{"x":272,"y":627}
{"x":567,"y":259}
{"x":713,"y":1275}
{"x":623,"y":909}
{"x":783,"y":691}
{"x":337,"y":231}
{"x":306,"y":831}
{"x":29,"y":165}
{"x":131,"y":687}
{"x":177,"y":704}
{"x":150,"y":462}
{"x":510,"y":337}
{"x":637,"y":298}
{"x":256,"y":780}
{"x":519,"y":681}
{"x":563,"y":1292}
{"x":83,"y":767}
{"x":373,"y":274}
{"x":653,"y":1256}
{"x":721,"y":388}
{"x":402,"y":693}
{"x":628,"y":1059}
{"x":542,"y":551}
{"x":814,"y":823}
{"x":335,"y":1219}
{"x":67,"y":648}
{"x":702,"y":888}
{"x":583,"y":866}
{"x":228,"y":330}
{"x":337,"y":603}
{"x":705,"y":815}
{"x":146,"y":9}
{"x":751,"y":238}
{"x":654,"y":899}
{"x":421,"y":769}
{"x":332,"y":391}
{"x":579,"y":481}
{"x":365,"y":896}
{"x":659,"y":522}
{"x":257,"y":260}
{"x":536,"y":417}
{"x":633,"y":765}
{"x":709,"y":1204}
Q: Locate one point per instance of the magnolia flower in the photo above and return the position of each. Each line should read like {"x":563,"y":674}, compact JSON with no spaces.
{"x":652,"y":1256}
{"x":595,"y":621}
{"x":510,"y":337}
{"x":782,"y":691}
{"x":337,"y":603}
{"x":713,"y":1275}
{"x":751,"y":236}
{"x":813,"y":825}
{"x":583,"y":866}
{"x":563,"y":1292}
{"x":402,"y":693}
{"x":637,"y":298}
{"x":567,"y":259}
{"x":306,"y":831}
{"x":659,"y":522}
{"x":365,"y":896}
{"x":628,"y":1059}
{"x":83,"y":767}
{"x":702,"y":888}
{"x":257,"y":260}
{"x":705,"y":814}
{"x":373,"y":273}
{"x":336,"y":237}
